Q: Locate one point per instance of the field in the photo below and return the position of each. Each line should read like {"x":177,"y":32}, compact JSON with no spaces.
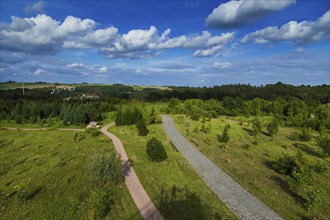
{"x":45,"y":175}
{"x":31,"y":85}
{"x":248,"y":160}
{"x":172,"y":185}
{"x":27,"y":85}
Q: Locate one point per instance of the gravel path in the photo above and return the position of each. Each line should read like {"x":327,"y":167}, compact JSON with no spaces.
{"x":139,"y":195}
{"x":241,"y":202}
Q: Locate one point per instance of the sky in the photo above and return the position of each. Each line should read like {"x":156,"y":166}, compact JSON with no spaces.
{"x":181,"y":43}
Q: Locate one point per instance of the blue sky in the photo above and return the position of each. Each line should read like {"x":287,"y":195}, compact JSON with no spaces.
{"x":188,"y":43}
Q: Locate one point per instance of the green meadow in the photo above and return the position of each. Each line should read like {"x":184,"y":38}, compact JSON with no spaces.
{"x":46,"y":175}
{"x":172,"y":184}
{"x":249,"y":160}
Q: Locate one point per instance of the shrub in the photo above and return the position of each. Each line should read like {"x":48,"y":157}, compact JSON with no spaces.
{"x":76,"y":137}
{"x":256,"y":126}
{"x":142,"y":128}
{"x":324,"y":144}
{"x":95,"y":133}
{"x":272,"y":127}
{"x":155,"y":150}
{"x":305,"y":134}
{"x":106,"y":168}
{"x":224,"y":138}
{"x":100,"y":202}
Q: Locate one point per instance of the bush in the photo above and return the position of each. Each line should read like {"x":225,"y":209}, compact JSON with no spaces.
{"x":272,"y":127}
{"x":224,"y":138}
{"x":95,"y":133}
{"x":305,"y":134}
{"x":106,"y":168}
{"x":256,"y":126}
{"x":155,"y":150}
{"x":142,"y":128}
{"x":100,"y":202}
{"x":324,"y":144}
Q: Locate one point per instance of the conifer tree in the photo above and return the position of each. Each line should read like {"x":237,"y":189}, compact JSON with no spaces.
{"x":142,"y":128}
{"x":120,"y":118}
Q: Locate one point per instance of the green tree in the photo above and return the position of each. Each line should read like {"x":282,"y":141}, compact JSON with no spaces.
{"x":142,"y":128}
{"x":120,"y":121}
{"x":128,"y":115}
{"x":272,"y":127}
{"x":137,"y":116}
{"x":224,"y":137}
{"x":155,"y":150}
{"x":256,"y":126}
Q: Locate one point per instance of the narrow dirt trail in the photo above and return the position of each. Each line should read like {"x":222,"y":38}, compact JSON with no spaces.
{"x":241,"y":202}
{"x":139,"y":195}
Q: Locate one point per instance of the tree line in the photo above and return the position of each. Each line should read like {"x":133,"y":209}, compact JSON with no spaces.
{"x":70,"y":112}
{"x":311,"y":95}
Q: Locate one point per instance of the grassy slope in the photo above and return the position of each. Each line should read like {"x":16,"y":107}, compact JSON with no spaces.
{"x":34,"y":164}
{"x":252,"y":168}
{"x":173,"y":185}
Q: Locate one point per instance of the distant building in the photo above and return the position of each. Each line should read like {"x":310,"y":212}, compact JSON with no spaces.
{"x":89,"y":96}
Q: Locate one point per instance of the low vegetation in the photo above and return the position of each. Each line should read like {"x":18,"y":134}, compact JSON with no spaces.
{"x":289,"y":175}
{"x":47,"y":175}
{"x":172,"y":184}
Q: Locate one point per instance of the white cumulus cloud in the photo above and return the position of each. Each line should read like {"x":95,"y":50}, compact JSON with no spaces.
{"x":300,"y":33}
{"x":237,"y":13}
{"x":44,"y":35}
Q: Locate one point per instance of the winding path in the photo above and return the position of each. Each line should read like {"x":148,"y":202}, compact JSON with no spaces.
{"x":139,"y":195}
{"x":241,"y":202}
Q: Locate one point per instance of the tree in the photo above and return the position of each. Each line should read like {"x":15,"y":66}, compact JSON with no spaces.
{"x":225,"y":137}
{"x":142,"y":128}
{"x":256,"y":126}
{"x":155,"y":150}
{"x":272,"y":127}
{"x":120,"y":121}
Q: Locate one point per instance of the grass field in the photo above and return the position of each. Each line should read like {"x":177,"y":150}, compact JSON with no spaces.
{"x":45,"y":175}
{"x":250,"y":163}
{"x":172,"y":185}
{"x":27,"y":85}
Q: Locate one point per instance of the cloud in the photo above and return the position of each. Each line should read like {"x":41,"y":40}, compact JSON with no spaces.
{"x":148,"y":43}
{"x":237,"y":13}
{"x":43,"y":35}
{"x":75,"y":65}
{"x":37,"y":7}
{"x":299,"y":50}
{"x":103,"y":69}
{"x":38,"y":72}
{"x":304,"y":32}
{"x":222,"y":65}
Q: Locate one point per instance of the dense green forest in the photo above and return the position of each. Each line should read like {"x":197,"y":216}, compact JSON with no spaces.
{"x":312,"y":95}
{"x":301,"y":106}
